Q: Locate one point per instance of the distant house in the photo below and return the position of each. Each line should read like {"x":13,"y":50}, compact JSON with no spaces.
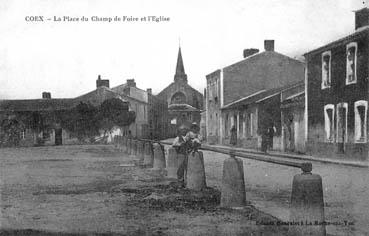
{"x":337,"y":94}
{"x":247,"y":95}
{"x":151,"y":111}
{"x":139,"y":103}
{"x":184,"y":102}
{"x":48,"y":113}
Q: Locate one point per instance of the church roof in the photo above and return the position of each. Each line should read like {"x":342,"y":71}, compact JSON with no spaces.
{"x":180,"y":74}
{"x":180,"y":67}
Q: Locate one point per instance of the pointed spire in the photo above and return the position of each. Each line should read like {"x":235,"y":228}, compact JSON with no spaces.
{"x":180,"y":71}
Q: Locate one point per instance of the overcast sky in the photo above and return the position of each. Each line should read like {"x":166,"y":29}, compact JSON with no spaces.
{"x":65,"y":58}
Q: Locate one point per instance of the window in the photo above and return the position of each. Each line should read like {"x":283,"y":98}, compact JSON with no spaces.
{"x":329,"y":122}
{"x":326,"y":70}
{"x":23,"y":134}
{"x":361,"y":109}
{"x":351,"y":63}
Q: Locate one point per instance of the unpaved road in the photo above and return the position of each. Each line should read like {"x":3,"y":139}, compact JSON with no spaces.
{"x":268,"y":187}
{"x":95,"y":190}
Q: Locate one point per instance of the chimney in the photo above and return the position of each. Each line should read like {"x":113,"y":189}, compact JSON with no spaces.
{"x":361,"y":18}
{"x":250,"y":51}
{"x":46,"y":95}
{"x":131,"y":83}
{"x":149,"y":91}
{"x":102,"y":82}
{"x":269,"y":45}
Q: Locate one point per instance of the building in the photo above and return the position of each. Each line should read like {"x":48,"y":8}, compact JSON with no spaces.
{"x":48,"y":113}
{"x":139,"y":103}
{"x":247,"y":95}
{"x":151,"y":114}
{"x":337,"y":94}
{"x":293,"y":119}
{"x":184,"y":102}
{"x":158,"y":117}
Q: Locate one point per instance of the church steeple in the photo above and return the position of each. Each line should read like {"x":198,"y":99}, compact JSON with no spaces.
{"x":180,"y":72}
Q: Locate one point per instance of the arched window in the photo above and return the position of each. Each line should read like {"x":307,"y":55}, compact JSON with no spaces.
{"x":178,"y":98}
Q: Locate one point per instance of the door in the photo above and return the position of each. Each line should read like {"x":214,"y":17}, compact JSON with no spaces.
{"x":341,"y":126}
{"x":58,"y":136}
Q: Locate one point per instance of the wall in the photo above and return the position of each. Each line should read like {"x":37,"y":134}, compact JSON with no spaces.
{"x":193,"y":97}
{"x":213,"y":107}
{"x":265,"y":70}
{"x":339,"y":92}
{"x":158,"y":118}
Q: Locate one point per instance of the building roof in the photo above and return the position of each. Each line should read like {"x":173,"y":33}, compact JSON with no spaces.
{"x":36,"y":104}
{"x":295,"y":95}
{"x":182,"y":107}
{"x":119,"y":88}
{"x":95,"y":97}
{"x":258,"y":96}
{"x":263,"y":54}
{"x":358,"y":32}
{"x":98,"y":96}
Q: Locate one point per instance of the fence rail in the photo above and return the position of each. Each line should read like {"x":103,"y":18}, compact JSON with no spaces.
{"x":306,"y":167}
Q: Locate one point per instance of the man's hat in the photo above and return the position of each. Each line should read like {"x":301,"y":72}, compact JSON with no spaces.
{"x":194,"y":125}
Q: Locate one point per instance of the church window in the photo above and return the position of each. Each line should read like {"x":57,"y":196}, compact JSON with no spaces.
{"x":178,"y":98}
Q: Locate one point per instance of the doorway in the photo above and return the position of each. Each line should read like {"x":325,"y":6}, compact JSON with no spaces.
{"x":341,"y":127}
{"x":58,"y":136}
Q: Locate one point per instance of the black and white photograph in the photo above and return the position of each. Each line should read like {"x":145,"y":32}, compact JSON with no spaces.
{"x":184,"y":117}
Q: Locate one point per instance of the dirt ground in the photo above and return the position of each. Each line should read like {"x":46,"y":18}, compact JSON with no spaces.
{"x":96,"y":190}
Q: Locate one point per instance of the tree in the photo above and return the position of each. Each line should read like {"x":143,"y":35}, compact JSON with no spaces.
{"x":11,"y":130}
{"x":114,"y":112}
{"x":82,"y":121}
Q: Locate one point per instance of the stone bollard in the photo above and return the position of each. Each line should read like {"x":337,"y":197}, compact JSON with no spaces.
{"x":149,"y":156}
{"x":196,"y":171}
{"x":159,"y":157}
{"x":307,"y":204}
{"x":233,"y":192}
{"x":172,"y":165}
{"x":140,"y":151}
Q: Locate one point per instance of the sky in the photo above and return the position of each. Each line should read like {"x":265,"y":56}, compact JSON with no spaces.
{"x":65,"y":57}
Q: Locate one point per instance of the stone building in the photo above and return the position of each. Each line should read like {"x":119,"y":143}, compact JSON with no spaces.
{"x":293,"y":119}
{"x":184,"y":102}
{"x":139,"y":103}
{"x":158,"y":117}
{"x":246,"y":95}
{"x":337,"y":94}
{"x":151,"y":113}
{"x":48,"y":113}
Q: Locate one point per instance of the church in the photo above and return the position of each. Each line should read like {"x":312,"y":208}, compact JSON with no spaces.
{"x":184,"y":102}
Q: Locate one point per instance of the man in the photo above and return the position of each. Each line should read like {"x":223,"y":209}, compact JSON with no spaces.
{"x":181,"y":145}
{"x":194,"y":137}
{"x":233,"y":140}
